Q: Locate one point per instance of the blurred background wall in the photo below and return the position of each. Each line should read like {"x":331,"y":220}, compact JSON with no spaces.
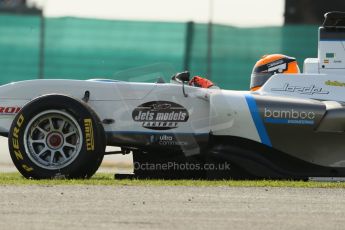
{"x":34,"y":45}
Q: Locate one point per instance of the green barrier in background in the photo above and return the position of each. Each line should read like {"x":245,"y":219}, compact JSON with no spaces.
{"x":88,"y":48}
{"x":19,"y":48}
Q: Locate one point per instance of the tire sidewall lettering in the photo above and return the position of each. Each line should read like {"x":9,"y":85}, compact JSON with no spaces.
{"x":89,"y":134}
{"x":16,"y":143}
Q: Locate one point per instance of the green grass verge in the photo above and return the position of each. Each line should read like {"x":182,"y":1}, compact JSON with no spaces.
{"x":108,"y":180}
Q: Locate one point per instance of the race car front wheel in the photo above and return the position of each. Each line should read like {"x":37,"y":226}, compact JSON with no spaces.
{"x":56,"y":136}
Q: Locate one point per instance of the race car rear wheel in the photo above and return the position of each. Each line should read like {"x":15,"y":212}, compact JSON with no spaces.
{"x":56,"y":136}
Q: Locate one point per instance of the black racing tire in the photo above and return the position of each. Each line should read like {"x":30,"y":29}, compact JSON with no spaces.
{"x":57,"y":136}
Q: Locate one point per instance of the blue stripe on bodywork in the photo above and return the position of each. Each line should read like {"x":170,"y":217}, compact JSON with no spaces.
{"x":289,"y":121}
{"x":260,"y":127}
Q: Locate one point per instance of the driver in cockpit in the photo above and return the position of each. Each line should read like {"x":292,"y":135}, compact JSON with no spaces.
{"x":266,"y":67}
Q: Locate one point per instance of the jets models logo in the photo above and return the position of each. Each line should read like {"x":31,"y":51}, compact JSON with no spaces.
{"x":160,"y":115}
{"x":308,"y":90}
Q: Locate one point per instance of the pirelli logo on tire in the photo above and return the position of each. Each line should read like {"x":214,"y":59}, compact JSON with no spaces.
{"x":89,"y":136}
{"x":16,"y":143}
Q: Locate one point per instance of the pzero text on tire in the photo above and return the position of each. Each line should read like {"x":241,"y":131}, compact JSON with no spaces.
{"x":56,"y":136}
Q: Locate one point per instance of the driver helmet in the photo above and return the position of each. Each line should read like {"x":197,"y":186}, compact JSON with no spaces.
{"x":269,"y":65}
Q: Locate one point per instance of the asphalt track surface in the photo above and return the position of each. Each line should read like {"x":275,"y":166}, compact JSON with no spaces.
{"x":154,"y":207}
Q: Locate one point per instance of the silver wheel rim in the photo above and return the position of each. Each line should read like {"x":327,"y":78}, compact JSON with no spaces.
{"x":53,"y":139}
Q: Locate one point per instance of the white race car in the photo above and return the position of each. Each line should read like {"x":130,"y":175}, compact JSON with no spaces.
{"x":291,"y":126}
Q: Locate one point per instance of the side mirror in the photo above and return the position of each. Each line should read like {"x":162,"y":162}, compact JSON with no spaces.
{"x":183,"y":76}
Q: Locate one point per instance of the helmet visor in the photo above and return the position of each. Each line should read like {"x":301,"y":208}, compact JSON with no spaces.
{"x":258,"y":79}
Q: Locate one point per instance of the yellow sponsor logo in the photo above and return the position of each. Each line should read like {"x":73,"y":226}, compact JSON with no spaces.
{"x":335,"y":83}
{"x":27,"y":168}
{"x":15,"y":143}
{"x":18,"y":154}
{"x":90,"y":141}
